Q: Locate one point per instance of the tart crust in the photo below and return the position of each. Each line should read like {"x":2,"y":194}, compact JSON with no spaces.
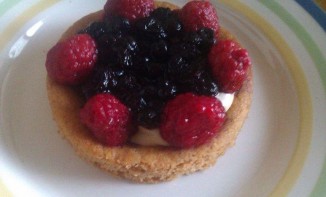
{"x":150,"y":164}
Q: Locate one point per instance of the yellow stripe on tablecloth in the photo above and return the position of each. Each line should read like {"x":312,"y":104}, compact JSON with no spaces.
{"x":22,"y":19}
{"x":305,"y":104}
{"x":3,"y":191}
{"x":7,"y":35}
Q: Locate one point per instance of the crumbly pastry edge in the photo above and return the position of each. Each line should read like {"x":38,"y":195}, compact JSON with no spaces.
{"x":142,"y":163}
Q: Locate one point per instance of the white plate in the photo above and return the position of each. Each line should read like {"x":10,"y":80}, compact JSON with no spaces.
{"x":279,"y":151}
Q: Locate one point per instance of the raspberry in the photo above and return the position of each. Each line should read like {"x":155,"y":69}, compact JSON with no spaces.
{"x":107,"y":118}
{"x":189,"y":120}
{"x":198,"y":14}
{"x":71,"y":61}
{"x":130,"y":9}
{"x":230,"y":64}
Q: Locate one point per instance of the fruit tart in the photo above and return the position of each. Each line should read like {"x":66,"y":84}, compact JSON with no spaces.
{"x":148,"y":91}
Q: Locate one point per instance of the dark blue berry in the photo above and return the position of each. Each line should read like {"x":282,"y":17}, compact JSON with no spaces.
{"x":150,"y":115}
{"x":141,"y":65}
{"x":179,"y":67}
{"x":103,"y":79}
{"x":203,"y":84}
{"x":148,"y":92}
{"x":166,"y":89}
{"x":128,"y":89}
{"x":173,"y":26}
{"x":159,"y":50}
{"x":186,"y":50}
{"x":161,"y":13}
{"x":105,"y":45}
{"x":117,"y":24}
{"x":124,"y":51}
{"x":149,"y":118}
{"x":203,"y":39}
{"x":150,"y":28}
{"x":200,"y":81}
{"x":154,"y":70}
{"x":169,"y":20}
{"x":95,"y":30}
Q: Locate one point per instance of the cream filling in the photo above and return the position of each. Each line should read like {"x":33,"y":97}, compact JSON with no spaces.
{"x":150,"y":137}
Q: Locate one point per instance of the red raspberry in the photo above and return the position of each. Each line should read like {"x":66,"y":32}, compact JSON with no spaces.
{"x":230,"y":64}
{"x":130,"y":9}
{"x":71,"y":61}
{"x":198,"y":14}
{"x":107,"y":118}
{"x":190,"y":121}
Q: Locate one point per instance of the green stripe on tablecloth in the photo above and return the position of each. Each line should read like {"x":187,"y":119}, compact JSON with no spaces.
{"x":320,"y":188}
{"x":10,"y":30}
{"x":22,"y":19}
{"x":303,"y":35}
{"x":6,"y":5}
{"x":319,"y":61}
{"x":298,"y":158}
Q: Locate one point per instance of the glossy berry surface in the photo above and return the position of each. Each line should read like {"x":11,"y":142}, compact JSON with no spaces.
{"x":107,"y":118}
{"x":149,"y":61}
{"x":130,"y":9}
{"x":150,"y":28}
{"x":199,"y":14}
{"x":102,"y":80}
{"x":71,"y":61}
{"x":114,"y":25}
{"x":155,"y":68}
{"x":190,"y":121}
{"x":230,"y":64}
{"x":169,"y":20}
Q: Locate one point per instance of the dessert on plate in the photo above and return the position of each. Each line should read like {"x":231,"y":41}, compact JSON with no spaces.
{"x":149,"y":91}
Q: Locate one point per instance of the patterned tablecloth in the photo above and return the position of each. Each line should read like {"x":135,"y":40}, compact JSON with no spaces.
{"x":317,"y":9}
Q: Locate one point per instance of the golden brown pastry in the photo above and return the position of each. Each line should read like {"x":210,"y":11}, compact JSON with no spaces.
{"x":148,"y":164}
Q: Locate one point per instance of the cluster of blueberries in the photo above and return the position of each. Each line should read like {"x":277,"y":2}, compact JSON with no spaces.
{"x":149,"y":61}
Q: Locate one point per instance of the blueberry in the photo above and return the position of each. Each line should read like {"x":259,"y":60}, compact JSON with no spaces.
{"x":166,"y":89}
{"x":173,"y":26}
{"x":148,"y":92}
{"x":150,"y":116}
{"x":141,"y":65}
{"x":178,"y":67}
{"x":106,"y":43}
{"x":95,"y":29}
{"x":128,"y":82}
{"x":159,"y":50}
{"x":188,"y":51}
{"x":150,"y":28}
{"x":204,"y":84}
{"x":203,"y":39}
{"x":124,"y":51}
{"x":117,"y":24}
{"x":154,"y":70}
{"x":169,"y":20}
{"x":103,"y":79}
{"x":161,"y":13}
{"x":200,"y":82}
